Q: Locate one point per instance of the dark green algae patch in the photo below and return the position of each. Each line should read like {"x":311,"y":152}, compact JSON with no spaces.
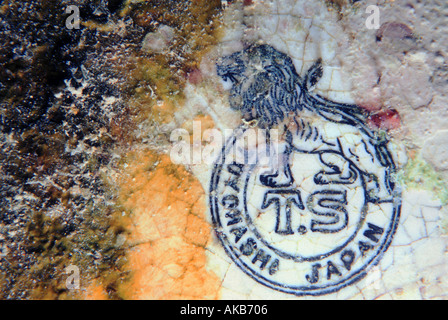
{"x":58,"y":137}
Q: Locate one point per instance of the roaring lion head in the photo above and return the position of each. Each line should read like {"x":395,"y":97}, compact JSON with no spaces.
{"x":265,"y":84}
{"x":267,"y":87}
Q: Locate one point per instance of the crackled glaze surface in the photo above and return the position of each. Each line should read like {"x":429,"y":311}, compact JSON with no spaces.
{"x":269,"y":231}
{"x":351,"y":203}
{"x":331,"y":182}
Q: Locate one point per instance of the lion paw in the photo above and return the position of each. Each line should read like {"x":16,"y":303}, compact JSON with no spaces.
{"x":321,"y":178}
{"x":279,"y":180}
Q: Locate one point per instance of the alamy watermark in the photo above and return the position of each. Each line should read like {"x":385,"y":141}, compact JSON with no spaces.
{"x":73,"y":280}
{"x":257,"y":146}
{"x":73,"y":20}
{"x":373,"y":20}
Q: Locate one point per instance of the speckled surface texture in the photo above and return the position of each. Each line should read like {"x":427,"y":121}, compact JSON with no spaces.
{"x":356,"y":207}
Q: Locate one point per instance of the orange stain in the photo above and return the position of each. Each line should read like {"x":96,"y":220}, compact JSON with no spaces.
{"x":95,"y":291}
{"x":167,"y":232}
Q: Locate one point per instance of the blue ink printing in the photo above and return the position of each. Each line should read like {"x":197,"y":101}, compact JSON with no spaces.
{"x":322,"y":215}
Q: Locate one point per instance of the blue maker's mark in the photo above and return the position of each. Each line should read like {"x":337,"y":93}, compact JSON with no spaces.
{"x":267,"y":90}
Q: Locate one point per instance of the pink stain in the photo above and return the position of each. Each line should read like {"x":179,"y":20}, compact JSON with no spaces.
{"x":388,"y":119}
{"x":194,"y":76}
{"x":394,"y":30}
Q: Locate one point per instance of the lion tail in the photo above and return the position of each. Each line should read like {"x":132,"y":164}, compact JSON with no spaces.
{"x":338,"y":112}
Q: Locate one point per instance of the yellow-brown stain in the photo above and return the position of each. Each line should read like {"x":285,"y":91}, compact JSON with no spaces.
{"x":167,"y":231}
{"x":163,"y":205}
{"x":155,"y":81}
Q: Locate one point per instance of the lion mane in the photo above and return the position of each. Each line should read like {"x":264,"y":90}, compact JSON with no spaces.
{"x":266,"y":87}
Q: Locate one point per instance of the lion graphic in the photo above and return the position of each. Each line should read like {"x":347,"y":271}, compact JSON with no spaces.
{"x":267,"y":89}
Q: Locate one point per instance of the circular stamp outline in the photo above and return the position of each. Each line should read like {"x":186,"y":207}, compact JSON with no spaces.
{"x":313,"y":290}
